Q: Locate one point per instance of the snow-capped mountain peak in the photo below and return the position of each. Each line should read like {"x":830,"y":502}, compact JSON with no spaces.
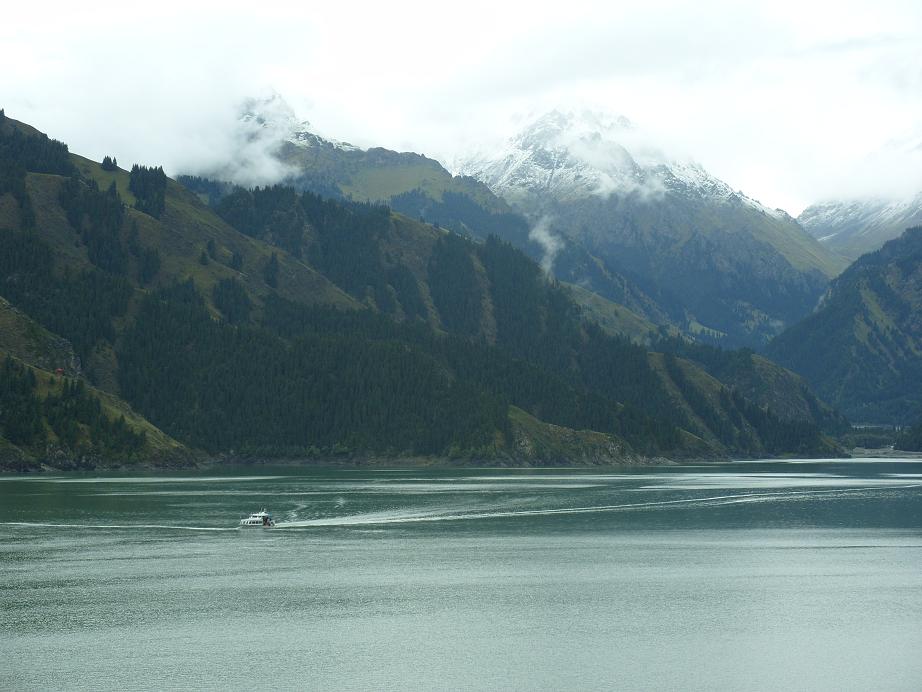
{"x":578,"y":154}
{"x":568,"y":154}
{"x":271,"y":117}
{"x":556,"y":128}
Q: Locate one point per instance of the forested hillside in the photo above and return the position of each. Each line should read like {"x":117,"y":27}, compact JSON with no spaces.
{"x":862,"y":349}
{"x":66,"y":423}
{"x":284,"y":323}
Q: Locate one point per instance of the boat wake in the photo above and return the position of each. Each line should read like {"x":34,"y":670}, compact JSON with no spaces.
{"x":712,"y":501}
{"x":442,"y":514}
{"x":170,"y":527}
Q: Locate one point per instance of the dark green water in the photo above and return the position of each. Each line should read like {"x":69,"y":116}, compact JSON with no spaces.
{"x":797,"y":575}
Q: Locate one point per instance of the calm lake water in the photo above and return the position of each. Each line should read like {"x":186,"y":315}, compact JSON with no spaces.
{"x":755,"y":575}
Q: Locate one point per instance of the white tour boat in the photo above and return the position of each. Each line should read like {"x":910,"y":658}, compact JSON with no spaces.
{"x":262,"y":518}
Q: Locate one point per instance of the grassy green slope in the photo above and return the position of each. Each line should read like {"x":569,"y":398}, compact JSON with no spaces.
{"x":612,"y":317}
{"x":797,"y":246}
{"x":727,"y":418}
{"x":760,"y":380}
{"x":185,"y":230}
{"x":159,"y":448}
{"x":542,"y":444}
{"x":28,"y":341}
{"x":709,"y":389}
{"x":784,"y":392}
{"x":43,"y":353}
{"x":379,"y":174}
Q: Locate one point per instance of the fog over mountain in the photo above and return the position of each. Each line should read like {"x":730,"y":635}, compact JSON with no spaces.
{"x":853,"y":227}
{"x":575,"y":154}
{"x":783,"y":100}
{"x":874,"y":206}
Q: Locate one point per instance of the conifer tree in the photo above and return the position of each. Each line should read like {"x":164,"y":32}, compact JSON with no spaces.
{"x":148,"y":185}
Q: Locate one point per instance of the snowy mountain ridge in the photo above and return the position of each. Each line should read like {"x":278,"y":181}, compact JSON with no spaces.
{"x":883,"y":200}
{"x":577,"y":154}
{"x":854,"y":227}
{"x":713,"y":257}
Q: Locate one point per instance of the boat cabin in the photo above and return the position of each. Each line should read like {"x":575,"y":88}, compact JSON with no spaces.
{"x":262,"y":518}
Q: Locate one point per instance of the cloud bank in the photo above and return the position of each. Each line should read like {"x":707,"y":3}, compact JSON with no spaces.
{"x":788,"y":101}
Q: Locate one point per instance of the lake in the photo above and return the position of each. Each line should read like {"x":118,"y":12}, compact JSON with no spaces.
{"x":744,"y":576}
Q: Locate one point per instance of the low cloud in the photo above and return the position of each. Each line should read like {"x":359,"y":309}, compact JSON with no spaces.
{"x":893,"y":173}
{"x":775,"y":98}
{"x":551,"y":244}
{"x":621,"y":158}
{"x":246,"y":152}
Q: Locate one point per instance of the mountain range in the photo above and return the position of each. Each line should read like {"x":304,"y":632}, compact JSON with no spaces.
{"x":719,"y":263}
{"x":598,"y":205}
{"x":157,"y":323}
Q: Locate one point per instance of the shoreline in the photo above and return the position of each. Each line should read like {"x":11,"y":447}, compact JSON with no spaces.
{"x":883,"y":453}
{"x":364,"y":463}
{"x":216,"y":464}
{"x":204,"y":463}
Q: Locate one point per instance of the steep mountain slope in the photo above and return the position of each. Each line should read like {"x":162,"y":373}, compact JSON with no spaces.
{"x":854,"y":227}
{"x":281,"y":323}
{"x":722,"y":263}
{"x":862,"y":349}
{"x":613,"y":317}
{"x":55,"y":421}
{"x":29,"y":342}
{"x":421,"y":188}
{"x":760,"y":380}
{"x":494,"y":294}
{"x":49,"y":414}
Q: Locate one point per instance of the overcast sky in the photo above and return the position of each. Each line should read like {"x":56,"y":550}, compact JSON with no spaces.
{"x":790,"y":101}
